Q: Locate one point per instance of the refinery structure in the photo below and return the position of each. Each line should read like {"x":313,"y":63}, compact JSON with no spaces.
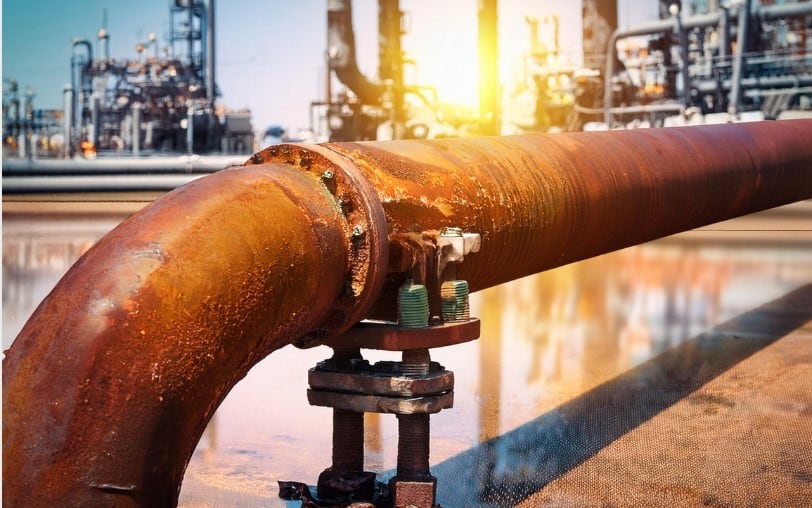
{"x":700,"y":62}
{"x":163,"y":101}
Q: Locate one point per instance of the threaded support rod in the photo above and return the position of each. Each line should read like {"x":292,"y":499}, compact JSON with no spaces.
{"x":416,"y":362}
{"x":413,"y":447}
{"x":348,"y":441}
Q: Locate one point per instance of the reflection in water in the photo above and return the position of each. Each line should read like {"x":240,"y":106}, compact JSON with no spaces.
{"x":373,"y":442}
{"x":559,"y":350}
{"x":668,"y":301}
{"x":490,"y":360}
{"x":518,"y":463}
{"x":37,"y":251}
{"x":569,"y":330}
{"x":31,"y":266}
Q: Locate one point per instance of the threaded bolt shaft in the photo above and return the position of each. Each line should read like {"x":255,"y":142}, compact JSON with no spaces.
{"x":348,"y":426}
{"x":416,"y":362}
{"x":348,"y":441}
{"x":454,"y":301}
{"x":413,"y":305}
{"x":413,"y":447}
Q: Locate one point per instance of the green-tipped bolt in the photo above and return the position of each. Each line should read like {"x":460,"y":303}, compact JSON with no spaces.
{"x":413,"y":305}
{"x":454,"y":301}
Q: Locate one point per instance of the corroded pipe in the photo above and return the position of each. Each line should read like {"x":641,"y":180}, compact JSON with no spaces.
{"x":111,"y":382}
{"x":542,"y":201}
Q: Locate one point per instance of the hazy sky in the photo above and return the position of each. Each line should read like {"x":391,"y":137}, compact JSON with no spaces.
{"x":270,"y":53}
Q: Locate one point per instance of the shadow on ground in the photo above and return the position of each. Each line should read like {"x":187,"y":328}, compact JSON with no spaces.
{"x":511,"y":467}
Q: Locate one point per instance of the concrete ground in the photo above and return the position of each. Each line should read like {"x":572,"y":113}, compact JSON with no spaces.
{"x":723,"y":419}
{"x":742,"y":439}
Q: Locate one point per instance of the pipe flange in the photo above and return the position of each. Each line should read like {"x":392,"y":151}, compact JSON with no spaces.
{"x":366,"y":230}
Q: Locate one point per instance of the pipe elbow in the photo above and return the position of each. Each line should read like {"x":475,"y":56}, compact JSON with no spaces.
{"x":113,"y":379}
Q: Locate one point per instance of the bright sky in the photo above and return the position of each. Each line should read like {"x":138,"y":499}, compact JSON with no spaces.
{"x":270,"y":53}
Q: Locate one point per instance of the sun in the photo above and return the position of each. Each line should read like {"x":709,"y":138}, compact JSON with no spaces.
{"x":442,"y":43}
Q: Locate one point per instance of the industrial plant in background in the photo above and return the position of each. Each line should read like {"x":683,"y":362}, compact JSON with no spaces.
{"x":384,"y":108}
{"x":156,"y":103}
{"x":703,"y":61}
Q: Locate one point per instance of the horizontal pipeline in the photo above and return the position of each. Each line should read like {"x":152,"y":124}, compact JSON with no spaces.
{"x":109,"y":174}
{"x":541,"y":201}
{"x":59,"y":184}
{"x":106,"y":165}
{"x":111,"y":382}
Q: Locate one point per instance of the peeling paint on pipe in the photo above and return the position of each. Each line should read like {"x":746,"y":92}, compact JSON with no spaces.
{"x":109,"y":386}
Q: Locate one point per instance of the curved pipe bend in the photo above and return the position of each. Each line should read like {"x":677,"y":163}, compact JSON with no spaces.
{"x":111,"y":382}
{"x":341,"y":52}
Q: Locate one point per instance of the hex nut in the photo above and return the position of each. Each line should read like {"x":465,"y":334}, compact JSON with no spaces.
{"x":417,"y":494}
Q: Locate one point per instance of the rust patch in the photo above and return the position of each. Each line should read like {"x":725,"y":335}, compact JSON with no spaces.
{"x":111,"y":382}
{"x":541,"y":201}
{"x":365,"y":225}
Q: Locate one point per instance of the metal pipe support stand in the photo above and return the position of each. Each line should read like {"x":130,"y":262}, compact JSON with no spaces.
{"x":412,"y":389}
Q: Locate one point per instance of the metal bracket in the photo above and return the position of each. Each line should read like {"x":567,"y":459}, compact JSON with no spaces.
{"x":384,"y":378}
{"x":453,"y":245}
{"x":411,"y":389}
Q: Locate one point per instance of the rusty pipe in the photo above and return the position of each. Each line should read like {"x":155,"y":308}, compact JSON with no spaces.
{"x":542,"y":201}
{"x":109,"y":385}
{"x":111,"y":382}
